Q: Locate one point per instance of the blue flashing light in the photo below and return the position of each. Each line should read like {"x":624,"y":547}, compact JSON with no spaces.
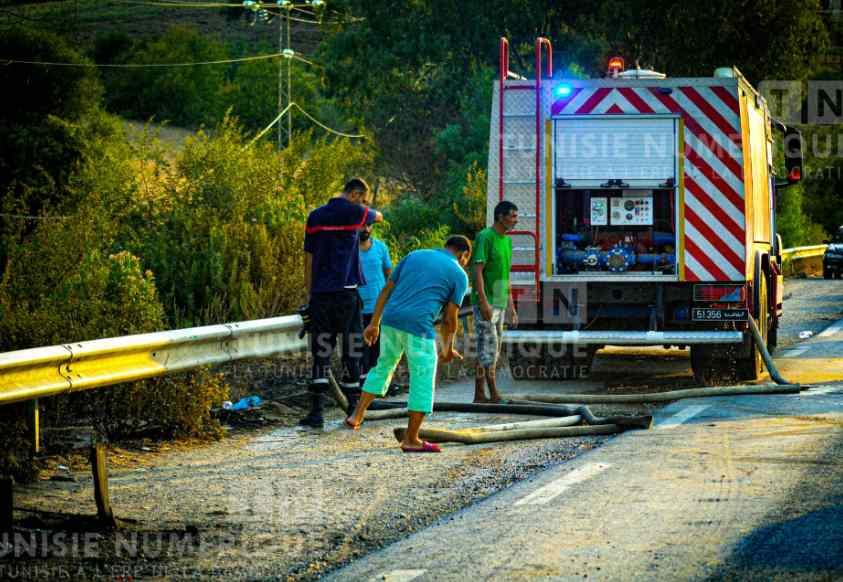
{"x":563,"y":90}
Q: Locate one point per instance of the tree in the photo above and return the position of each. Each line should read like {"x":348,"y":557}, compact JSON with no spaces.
{"x":766,"y":39}
{"x":188,"y":96}
{"x":36,"y":151}
{"x":40,"y":126}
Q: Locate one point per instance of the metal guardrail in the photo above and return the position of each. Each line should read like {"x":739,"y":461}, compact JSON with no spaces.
{"x":803,"y":252}
{"x":40,"y":372}
{"x":802,"y":259}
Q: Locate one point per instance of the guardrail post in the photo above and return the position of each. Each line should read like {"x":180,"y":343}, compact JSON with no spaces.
{"x":7,"y":503}
{"x":99,"y":468}
{"x":34,"y":420}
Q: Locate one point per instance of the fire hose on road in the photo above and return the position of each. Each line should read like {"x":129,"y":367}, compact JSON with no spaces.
{"x":532,"y":409}
{"x":473,"y":437}
{"x":781,"y":386}
{"x":559,"y":427}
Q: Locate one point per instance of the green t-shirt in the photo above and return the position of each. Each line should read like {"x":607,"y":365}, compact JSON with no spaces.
{"x":495,"y":251}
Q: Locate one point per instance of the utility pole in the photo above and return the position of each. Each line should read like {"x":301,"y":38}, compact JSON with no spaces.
{"x":284,"y":42}
{"x":289,"y":78}
{"x":285,"y":49}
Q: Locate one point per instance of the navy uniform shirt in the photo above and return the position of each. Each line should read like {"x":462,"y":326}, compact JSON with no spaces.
{"x":332,"y":238}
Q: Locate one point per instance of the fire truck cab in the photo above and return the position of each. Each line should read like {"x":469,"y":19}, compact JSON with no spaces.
{"x":647,"y":215}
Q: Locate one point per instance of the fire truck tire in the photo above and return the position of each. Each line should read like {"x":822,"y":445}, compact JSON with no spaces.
{"x":773,"y":337}
{"x":564,"y":362}
{"x":710,"y":367}
{"x":526,"y":361}
{"x":570,"y":362}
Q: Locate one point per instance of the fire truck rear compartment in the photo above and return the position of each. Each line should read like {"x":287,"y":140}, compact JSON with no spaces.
{"x":615,"y":231}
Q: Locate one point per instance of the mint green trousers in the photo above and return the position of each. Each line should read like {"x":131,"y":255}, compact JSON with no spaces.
{"x":421,"y":360}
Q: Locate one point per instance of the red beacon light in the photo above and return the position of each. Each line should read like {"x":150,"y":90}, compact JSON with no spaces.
{"x":616,"y":65}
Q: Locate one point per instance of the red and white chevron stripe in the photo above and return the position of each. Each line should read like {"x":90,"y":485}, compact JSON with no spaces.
{"x":715,"y":225}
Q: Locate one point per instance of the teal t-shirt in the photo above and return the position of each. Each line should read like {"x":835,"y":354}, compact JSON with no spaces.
{"x":425,"y":281}
{"x":495,"y":252}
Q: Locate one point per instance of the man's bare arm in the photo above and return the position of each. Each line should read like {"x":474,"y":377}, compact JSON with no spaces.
{"x":449,"y":332}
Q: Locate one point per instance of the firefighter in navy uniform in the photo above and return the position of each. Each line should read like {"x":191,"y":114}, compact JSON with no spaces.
{"x":332,"y":275}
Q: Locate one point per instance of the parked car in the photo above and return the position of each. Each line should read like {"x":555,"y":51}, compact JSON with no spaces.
{"x":833,"y":258}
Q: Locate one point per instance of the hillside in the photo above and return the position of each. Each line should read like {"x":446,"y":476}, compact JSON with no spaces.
{"x":83,"y":20}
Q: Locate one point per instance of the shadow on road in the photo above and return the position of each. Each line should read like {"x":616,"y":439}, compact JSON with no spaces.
{"x":804,"y":536}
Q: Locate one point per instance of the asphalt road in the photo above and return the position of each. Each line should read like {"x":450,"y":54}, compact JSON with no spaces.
{"x":735,"y":488}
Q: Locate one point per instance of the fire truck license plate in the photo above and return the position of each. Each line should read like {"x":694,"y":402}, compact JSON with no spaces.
{"x":704,"y":314}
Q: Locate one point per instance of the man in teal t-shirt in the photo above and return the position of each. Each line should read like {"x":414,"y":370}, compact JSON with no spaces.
{"x":491,"y":296}
{"x":423,"y":285}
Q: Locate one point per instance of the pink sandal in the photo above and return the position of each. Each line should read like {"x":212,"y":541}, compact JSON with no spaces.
{"x":425,"y":448}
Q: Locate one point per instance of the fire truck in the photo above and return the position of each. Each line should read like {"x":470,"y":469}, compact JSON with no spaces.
{"x":647,"y":215}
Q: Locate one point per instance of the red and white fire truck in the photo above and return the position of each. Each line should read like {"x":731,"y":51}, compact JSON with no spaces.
{"x":647,"y":215}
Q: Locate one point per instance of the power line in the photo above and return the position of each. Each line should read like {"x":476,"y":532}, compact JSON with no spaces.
{"x":325,"y":127}
{"x":140,"y":65}
{"x":30,"y":217}
{"x":16,"y":15}
{"x":304,"y":60}
{"x":284,"y":112}
{"x":176,"y":4}
{"x":263,"y":132}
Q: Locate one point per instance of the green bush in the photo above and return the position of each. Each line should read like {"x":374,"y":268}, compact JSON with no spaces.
{"x":186,"y":96}
{"x":226,"y":245}
{"x":99,"y":296}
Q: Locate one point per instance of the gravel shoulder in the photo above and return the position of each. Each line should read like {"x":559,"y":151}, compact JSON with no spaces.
{"x":279,"y":503}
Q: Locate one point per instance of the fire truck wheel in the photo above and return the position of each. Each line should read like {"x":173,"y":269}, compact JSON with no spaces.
{"x":560,"y":362}
{"x":709,"y":365}
{"x":773,"y":337}
{"x":526,"y":361}
{"x":570,"y":363}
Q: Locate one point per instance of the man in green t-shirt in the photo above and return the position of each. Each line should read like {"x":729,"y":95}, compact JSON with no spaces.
{"x":491,"y":296}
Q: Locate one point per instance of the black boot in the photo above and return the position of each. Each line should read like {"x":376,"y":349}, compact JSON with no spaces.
{"x":314,"y":418}
{"x":353,"y":397}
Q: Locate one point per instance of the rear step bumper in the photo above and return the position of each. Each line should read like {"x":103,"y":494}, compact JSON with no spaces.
{"x":622,"y":338}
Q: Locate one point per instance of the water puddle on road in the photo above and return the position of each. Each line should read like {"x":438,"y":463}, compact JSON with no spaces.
{"x":277,"y":439}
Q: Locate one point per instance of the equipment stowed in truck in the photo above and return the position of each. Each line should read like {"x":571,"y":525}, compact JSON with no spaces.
{"x":650,"y":212}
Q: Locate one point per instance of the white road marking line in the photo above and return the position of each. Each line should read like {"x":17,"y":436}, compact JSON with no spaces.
{"x":833,"y":330}
{"x":795,"y":352}
{"x":684,"y":415}
{"x":399,"y":575}
{"x":555,"y":488}
{"x":821,"y":391}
